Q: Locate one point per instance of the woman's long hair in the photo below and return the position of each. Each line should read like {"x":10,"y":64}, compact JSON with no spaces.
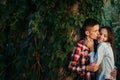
{"x":111,"y":39}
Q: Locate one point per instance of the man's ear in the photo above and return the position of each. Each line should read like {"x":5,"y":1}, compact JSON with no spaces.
{"x":87,"y":33}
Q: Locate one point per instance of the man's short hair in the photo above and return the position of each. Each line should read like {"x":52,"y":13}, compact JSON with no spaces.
{"x":87,"y":24}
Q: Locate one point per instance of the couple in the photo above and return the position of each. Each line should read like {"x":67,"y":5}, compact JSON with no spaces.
{"x":93,"y":56}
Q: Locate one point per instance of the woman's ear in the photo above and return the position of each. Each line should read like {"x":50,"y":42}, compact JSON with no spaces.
{"x":87,"y":33}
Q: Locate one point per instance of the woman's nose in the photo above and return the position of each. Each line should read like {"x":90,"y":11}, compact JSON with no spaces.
{"x":101,"y":36}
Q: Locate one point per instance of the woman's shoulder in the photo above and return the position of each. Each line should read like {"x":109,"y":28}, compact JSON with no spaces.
{"x":103,"y":44}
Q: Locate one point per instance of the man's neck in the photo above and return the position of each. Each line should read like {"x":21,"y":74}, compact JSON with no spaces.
{"x":89,"y":39}
{"x":89,"y":43}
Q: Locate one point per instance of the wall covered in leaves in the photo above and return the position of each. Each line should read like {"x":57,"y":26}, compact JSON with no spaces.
{"x":38,"y":36}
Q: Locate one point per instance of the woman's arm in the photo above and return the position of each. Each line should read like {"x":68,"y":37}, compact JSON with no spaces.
{"x":100,"y":53}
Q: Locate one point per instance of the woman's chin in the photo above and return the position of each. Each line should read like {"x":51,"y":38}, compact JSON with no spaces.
{"x":100,"y":41}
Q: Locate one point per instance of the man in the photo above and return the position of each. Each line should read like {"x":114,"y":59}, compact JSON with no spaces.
{"x":80,"y":57}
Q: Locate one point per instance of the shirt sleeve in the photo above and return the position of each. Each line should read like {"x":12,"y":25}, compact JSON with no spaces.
{"x":100,"y":53}
{"x":74,"y":64}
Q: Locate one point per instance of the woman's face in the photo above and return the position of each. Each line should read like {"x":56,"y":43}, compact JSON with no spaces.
{"x":103,"y":35}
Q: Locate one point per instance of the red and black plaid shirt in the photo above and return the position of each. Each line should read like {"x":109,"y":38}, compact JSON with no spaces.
{"x":79,"y":60}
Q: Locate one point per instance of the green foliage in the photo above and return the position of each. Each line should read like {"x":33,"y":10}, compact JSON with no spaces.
{"x":53,"y":27}
{"x":117,"y":31}
{"x":35,"y":36}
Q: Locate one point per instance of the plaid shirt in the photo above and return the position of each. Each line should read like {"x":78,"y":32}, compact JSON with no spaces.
{"x":79,"y":60}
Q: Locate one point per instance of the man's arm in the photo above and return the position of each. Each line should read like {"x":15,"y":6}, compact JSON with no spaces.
{"x":74,"y":64}
{"x":114,"y":73}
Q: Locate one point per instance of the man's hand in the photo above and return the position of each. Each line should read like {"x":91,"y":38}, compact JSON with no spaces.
{"x":92,"y":67}
{"x":93,"y":64}
{"x":114,"y":73}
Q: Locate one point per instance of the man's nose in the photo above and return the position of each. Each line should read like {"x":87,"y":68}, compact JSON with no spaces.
{"x":98,"y":34}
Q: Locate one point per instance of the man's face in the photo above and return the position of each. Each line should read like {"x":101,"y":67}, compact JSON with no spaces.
{"x":93,"y":32}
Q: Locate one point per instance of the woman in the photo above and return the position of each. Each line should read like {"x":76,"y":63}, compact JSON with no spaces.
{"x":105,"y":54}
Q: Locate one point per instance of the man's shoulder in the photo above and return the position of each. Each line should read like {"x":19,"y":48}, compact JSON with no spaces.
{"x":81,"y":41}
{"x":81,"y":44}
